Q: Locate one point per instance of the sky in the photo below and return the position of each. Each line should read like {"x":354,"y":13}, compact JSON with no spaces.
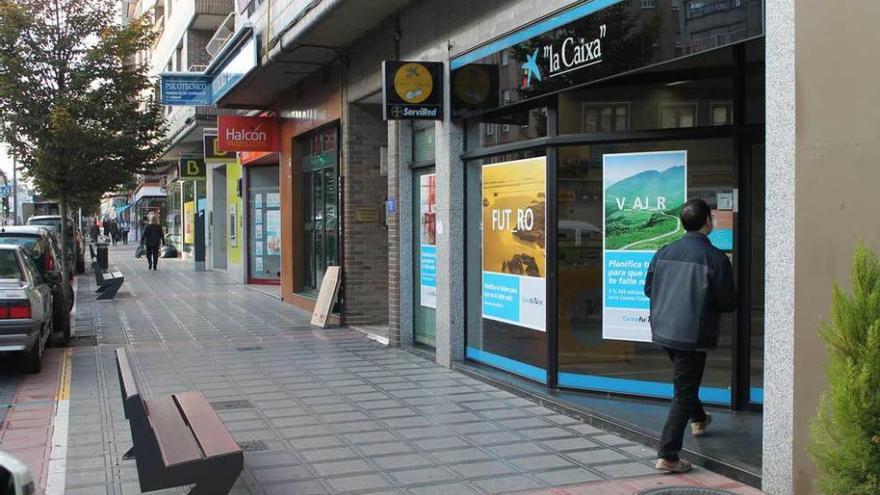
{"x":618,"y":167}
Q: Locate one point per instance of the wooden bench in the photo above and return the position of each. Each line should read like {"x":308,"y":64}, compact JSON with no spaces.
{"x":108,"y":282}
{"x":177,"y":440}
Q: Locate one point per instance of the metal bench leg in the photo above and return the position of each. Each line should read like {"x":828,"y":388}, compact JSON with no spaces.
{"x":219,"y":483}
{"x":110,"y":290}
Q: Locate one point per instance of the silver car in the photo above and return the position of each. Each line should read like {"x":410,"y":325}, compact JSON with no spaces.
{"x":25,"y":307}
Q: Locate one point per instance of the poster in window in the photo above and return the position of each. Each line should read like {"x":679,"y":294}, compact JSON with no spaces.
{"x":643,"y":195}
{"x":273,"y":232}
{"x":258,"y":217}
{"x":428,"y":240}
{"x":258,"y":248}
{"x":514,"y":287}
{"x":258,"y":264}
{"x":188,"y":222}
{"x":258,"y":200}
{"x":273,"y":200}
{"x":258,"y":231}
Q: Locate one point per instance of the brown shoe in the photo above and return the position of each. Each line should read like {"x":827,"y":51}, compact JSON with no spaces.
{"x":699,"y":429}
{"x":668,"y":466}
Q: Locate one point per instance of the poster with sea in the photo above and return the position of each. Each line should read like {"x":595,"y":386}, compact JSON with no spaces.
{"x":643,"y":195}
{"x":514,"y":286}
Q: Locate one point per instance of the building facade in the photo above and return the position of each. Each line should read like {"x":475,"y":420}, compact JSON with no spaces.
{"x":512,"y":234}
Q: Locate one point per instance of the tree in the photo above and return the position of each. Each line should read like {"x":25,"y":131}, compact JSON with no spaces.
{"x":846,"y":433}
{"x":75,"y":106}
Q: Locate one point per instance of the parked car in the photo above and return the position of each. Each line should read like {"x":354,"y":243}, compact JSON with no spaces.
{"x":76,"y":243}
{"x":44,"y":249}
{"x":25,"y":307}
{"x":15,"y":477}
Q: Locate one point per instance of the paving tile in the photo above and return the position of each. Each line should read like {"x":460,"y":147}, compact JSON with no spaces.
{"x":384,"y":448}
{"x":482,"y":469}
{"x":625,"y":469}
{"x":342,"y":467}
{"x":358,"y":483}
{"x":566,"y":444}
{"x":567,"y":477}
{"x":281,"y":473}
{"x":331,"y":454}
{"x":459,"y":455}
{"x":422,"y":476}
{"x":444,"y":489}
{"x":539,"y":462}
{"x":401,"y":461}
{"x":517,"y":449}
{"x":595,"y":456}
{"x":507,"y":484}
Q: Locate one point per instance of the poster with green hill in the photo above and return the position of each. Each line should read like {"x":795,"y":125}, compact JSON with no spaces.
{"x":644,"y":193}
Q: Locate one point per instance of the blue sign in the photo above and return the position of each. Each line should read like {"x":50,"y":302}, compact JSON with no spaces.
{"x":6,"y":190}
{"x":186,"y":89}
{"x":390,"y":206}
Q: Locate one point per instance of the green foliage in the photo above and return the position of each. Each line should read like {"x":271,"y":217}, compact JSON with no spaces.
{"x":75,"y":107}
{"x":846,"y":433}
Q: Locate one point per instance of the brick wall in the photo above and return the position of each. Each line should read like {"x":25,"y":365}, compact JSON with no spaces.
{"x":366,"y":241}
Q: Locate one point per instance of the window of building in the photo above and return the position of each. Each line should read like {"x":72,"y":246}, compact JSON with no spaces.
{"x":722,"y":113}
{"x":605,"y":117}
{"x":678,"y":115}
{"x":648,"y":4}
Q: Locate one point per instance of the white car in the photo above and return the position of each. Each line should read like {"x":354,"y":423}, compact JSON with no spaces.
{"x":25,"y":307}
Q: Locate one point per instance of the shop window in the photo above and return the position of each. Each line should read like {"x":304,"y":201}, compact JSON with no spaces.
{"x":511,"y":127}
{"x":423,"y":144}
{"x":264,"y":223}
{"x":678,"y":115}
{"x":605,"y":117}
{"x":722,"y":113}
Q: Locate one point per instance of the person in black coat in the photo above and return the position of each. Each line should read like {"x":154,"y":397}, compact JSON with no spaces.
{"x":152,"y":238}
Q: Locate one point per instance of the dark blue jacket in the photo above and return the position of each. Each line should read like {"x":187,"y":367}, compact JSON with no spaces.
{"x":689,"y":282}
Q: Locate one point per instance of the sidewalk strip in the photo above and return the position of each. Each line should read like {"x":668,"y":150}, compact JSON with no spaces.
{"x":58,"y":456}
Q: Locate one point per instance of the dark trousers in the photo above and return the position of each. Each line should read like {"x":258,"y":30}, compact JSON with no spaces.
{"x":153,"y":256}
{"x":688,"y":369}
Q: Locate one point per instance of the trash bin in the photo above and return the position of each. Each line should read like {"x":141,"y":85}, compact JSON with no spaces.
{"x":102,"y":255}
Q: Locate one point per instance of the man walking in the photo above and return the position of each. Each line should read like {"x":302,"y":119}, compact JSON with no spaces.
{"x":152,"y":238}
{"x":689,"y":282}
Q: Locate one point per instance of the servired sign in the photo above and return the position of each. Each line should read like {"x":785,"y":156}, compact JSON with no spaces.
{"x":237,"y":133}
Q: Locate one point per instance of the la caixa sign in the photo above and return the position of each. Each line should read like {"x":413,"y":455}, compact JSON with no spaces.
{"x":235,"y":133}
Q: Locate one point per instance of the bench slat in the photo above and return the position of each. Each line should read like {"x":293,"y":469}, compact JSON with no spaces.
{"x":175,"y":439}
{"x":208,"y":428}
{"x":129,"y":384}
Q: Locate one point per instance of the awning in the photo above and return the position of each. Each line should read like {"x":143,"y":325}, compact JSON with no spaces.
{"x":120,"y":209}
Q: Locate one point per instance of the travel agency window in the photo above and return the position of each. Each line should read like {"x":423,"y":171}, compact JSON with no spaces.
{"x":629,"y":135}
{"x":320,"y":205}
{"x":424,"y":201}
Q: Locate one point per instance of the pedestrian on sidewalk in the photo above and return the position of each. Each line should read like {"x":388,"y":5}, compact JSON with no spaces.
{"x":152,"y":238}
{"x":689,"y":282}
{"x":123,"y":233}
{"x":94,"y":231}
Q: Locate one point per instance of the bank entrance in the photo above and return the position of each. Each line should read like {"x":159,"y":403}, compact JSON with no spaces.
{"x":695,"y":124}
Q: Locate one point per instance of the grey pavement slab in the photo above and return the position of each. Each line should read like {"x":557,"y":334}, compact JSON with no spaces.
{"x":317,"y":411}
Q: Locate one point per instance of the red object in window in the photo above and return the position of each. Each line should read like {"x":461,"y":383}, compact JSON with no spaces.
{"x":20,"y":310}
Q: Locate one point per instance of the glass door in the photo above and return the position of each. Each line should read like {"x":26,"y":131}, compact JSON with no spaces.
{"x":320,"y":206}
{"x":425,"y":256}
{"x":264,"y":224}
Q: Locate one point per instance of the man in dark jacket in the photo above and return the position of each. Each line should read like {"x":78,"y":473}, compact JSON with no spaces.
{"x":152,"y":238}
{"x":689,"y":282}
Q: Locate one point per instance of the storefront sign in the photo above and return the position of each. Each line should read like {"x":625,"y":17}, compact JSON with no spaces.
{"x":412,"y":90}
{"x":248,"y":133}
{"x":212,"y":149}
{"x":428,"y":240}
{"x":234,"y":68}
{"x":643,"y":195}
{"x":188,"y":222}
{"x":191,"y":168}
{"x":588,"y":42}
{"x":514,"y":249}
{"x":183,"y":89}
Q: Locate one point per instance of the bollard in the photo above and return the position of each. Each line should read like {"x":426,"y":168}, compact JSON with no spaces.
{"x":102,"y":255}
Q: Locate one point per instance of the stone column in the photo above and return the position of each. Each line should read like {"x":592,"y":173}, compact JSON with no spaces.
{"x":450,"y":239}
{"x":823,"y":147}
{"x":400,"y":234}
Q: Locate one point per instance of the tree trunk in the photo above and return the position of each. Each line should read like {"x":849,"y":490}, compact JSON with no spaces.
{"x":65,"y":263}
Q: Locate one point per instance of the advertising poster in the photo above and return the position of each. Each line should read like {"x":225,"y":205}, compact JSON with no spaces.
{"x":273,"y":232}
{"x":189,"y":222}
{"x":273,"y":200}
{"x":258,"y":201}
{"x":258,"y":231}
{"x":428,"y":243}
{"x":722,"y":230}
{"x":258,"y":264}
{"x":258,"y":248}
{"x":514,"y":250}
{"x":643,"y":195}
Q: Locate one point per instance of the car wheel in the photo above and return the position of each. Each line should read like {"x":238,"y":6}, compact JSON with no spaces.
{"x":70,"y":296}
{"x":33,"y":360}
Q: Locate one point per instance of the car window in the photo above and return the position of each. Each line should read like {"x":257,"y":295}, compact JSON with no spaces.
{"x":9,"y":267}
{"x":29,"y":243}
{"x":35,"y":272}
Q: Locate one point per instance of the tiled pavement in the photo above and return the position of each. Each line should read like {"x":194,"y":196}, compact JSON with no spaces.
{"x":322,"y":411}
